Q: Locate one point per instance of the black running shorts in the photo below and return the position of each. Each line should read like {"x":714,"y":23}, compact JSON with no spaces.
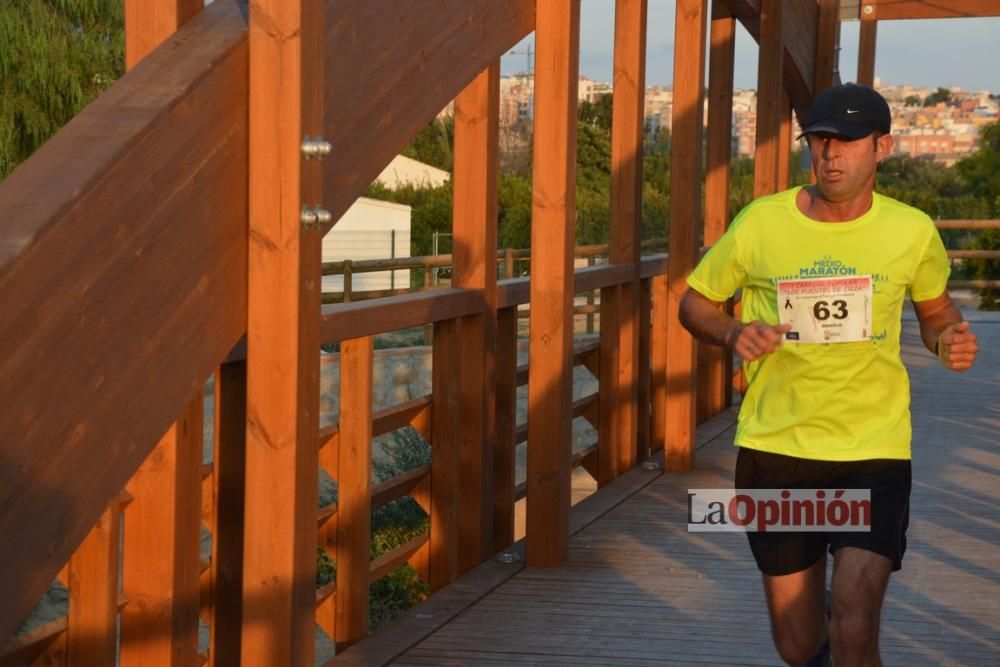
{"x":779,"y":553}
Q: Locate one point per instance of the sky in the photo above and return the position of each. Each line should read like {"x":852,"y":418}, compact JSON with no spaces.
{"x":928,"y":53}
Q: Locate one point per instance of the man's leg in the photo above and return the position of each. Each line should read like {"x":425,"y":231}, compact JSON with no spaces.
{"x":860,"y":578}
{"x":796,"y":603}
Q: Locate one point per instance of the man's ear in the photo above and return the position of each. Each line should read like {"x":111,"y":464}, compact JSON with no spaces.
{"x":883,"y":147}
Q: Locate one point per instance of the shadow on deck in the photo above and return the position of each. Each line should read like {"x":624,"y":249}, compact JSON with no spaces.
{"x":639,"y":589}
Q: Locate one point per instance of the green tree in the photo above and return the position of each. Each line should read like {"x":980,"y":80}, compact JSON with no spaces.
{"x":939,"y":95}
{"x":593,"y":183}
{"x":982,"y":173}
{"x":514,"y":203}
{"x":597,"y":113}
{"x":55,"y":57}
{"x":912,"y":101}
{"x":435,"y":144}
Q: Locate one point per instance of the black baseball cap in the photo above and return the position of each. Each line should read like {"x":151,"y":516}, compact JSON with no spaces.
{"x":849,"y":111}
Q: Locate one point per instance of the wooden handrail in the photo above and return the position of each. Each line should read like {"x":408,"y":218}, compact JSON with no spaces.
{"x":366,"y":318}
{"x":124,"y":279}
{"x":967,"y":224}
{"x":431,"y":261}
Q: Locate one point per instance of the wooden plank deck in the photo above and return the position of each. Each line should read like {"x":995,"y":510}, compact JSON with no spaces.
{"x":639,"y":589}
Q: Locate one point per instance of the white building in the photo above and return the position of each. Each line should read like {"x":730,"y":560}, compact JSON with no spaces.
{"x":370,"y":229}
{"x":375,"y":229}
{"x":404,"y":171}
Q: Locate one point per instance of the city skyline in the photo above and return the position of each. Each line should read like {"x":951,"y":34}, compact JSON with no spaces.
{"x":962,"y":52}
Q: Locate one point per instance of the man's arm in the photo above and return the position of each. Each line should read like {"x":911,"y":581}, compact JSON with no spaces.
{"x":945,"y":333}
{"x":707,"y":322}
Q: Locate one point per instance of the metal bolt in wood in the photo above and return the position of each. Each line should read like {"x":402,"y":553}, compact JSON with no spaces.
{"x":315,"y":148}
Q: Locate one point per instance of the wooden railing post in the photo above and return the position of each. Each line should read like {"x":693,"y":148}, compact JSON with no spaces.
{"x":348,"y":280}
{"x":149,"y":22}
{"x":608,"y":437}
{"x":658,"y":358}
{"x":550,"y":384}
{"x":643,"y":415}
{"x":445,"y":455}
{"x":785,"y":131}
{"x":628,"y":126}
{"x":508,"y":263}
{"x":93,"y":594}
{"x":354,"y":505}
{"x":590,"y":302}
{"x":161,"y":561}
{"x":228,"y":477}
{"x":474,"y":243}
{"x":506,"y":429}
{"x":162,"y":545}
{"x":715,"y":363}
{"x":287,"y":40}
{"x":685,"y":215}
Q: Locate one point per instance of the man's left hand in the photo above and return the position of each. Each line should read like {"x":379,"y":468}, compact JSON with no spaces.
{"x":957,"y":347}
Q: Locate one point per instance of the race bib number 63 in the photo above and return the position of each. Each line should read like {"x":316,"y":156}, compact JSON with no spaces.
{"x":827,"y":310}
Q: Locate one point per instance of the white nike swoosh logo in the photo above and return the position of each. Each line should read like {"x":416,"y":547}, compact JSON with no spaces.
{"x":852,"y":111}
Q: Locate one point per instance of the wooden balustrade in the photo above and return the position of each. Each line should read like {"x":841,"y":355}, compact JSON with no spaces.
{"x":188,"y":107}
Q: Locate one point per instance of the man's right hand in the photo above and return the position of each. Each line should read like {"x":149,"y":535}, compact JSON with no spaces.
{"x":755,"y":339}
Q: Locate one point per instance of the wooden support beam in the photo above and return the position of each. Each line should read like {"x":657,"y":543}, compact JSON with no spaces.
{"x":627,"y":129}
{"x":286,"y":104}
{"x":934,"y":9}
{"x":550,"y":385}
{"x":785,"y":132}
{"x":445,"y":461}
{"x":162,"y":534}
{"x":229,"y":470}
{"x":799,"y":21}
{"x":366,"y":123}
{"x":354,"y":499}
{"x":685,"y":218}
{"x":608,"y":436}
{"x":506,"y":427}
{"x":714,"y":380}
{"x":643,"y":397}
{"x":827,"y":56}
{"x":770,"y":95}
{"x":162,"y":549}
{"x":474,"y":228}
{"x":93,"y":594}
{"x":867,"y":38}
{"x":149,"y":22}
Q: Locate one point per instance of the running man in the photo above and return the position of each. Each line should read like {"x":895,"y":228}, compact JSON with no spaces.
{"x":827,"y":404}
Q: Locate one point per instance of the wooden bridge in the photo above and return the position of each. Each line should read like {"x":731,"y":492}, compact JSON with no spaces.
{"x":171,"y":232}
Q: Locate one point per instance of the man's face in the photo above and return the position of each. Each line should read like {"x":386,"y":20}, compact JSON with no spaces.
{"x":845,"y":170}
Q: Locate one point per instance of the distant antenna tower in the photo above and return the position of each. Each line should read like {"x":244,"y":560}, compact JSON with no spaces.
{"x":529,"y":55}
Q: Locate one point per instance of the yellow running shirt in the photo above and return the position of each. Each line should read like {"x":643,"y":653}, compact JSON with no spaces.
{"x":844,"y":400}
